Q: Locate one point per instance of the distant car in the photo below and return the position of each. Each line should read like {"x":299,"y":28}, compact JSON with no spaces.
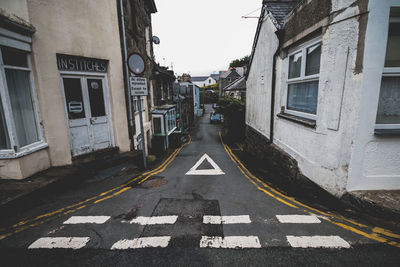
{"x":214,"y":106}
{"x":210,"y":91}
{"x":216,"y":118}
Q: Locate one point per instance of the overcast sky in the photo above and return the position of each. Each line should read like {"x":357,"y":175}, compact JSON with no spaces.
{"x":203,"y":36}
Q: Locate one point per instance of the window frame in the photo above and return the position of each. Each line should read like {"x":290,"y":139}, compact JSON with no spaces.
{"x":16,"y":151}
{"x":388,"y":72}
{"x":303,"y":77}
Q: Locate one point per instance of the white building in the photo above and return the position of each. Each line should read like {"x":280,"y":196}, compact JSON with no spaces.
{"x":329,"y":71}
{"x":202,"y":81}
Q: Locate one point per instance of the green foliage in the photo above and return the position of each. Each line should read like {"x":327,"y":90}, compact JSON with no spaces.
{"x":244,"y":61}
{"x":233,"y":111}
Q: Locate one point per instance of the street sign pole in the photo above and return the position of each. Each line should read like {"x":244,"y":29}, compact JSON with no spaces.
{"x":142,"y":132}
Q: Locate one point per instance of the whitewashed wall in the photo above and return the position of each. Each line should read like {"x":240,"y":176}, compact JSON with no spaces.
{"x":258,"y":84}
{"x":343,"y":142}
{"x":375,"y":162}
{"x":208,"y":81}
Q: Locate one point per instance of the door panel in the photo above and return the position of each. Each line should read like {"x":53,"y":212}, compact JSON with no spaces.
{"x":88,"y":121}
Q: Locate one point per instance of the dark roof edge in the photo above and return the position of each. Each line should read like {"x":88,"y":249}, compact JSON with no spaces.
{"x":12,"y":25}
{"x":260,"y":21}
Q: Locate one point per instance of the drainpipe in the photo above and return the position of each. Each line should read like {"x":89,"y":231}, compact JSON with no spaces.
{"x":279,"y":34}
{"x":126,"y":73}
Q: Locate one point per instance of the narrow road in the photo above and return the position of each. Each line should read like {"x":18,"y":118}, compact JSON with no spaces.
{"x":192,"y":212}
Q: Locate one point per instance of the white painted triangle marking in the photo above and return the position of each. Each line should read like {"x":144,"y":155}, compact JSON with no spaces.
{"x":215,"y":171}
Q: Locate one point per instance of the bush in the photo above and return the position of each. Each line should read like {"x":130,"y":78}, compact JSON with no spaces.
{"x":234,"y":118}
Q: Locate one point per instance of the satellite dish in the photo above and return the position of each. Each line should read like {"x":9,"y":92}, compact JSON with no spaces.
{"x":136,"y":63}
{"x":156,"y":40}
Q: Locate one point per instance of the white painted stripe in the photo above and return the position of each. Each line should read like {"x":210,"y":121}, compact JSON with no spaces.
{"x":143,"y":242}
{"x":215,"y":171}
{"x":298,"y":219}
{"x":60,"y":242}
{"x":230,"y":242}
{"x":87,"y":219}
{"x":210,"y":219}
{"x":317,"y":242}
{"x":155,"y":220}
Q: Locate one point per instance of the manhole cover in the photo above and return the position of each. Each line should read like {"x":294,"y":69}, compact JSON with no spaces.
{"x":154,"y":183}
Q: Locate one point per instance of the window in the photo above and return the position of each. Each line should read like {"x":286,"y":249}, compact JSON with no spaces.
{"x":19,"y":118}
{"x":157,"y":125}
{"x":303,"y":79}
{"x":388,"y":115}
{"x":136,"y":104}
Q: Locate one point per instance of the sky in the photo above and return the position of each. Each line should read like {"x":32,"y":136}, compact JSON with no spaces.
{"x":201,"y":37}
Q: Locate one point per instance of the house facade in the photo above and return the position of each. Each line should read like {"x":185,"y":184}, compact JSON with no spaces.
{"x":227,"y":78}
{"x":323,"y":92}
{"x":202,"y":81}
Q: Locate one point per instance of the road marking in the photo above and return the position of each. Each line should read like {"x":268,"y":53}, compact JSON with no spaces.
{"x":215,"y":171}
{"x":87,"y":219}
{"x":143,"y":242}
{"x":60,"y":242}
{"x":209,"y":219}
{"x":298,"y":219}
{"x":155,"y":220}
{"x":317,"y":242}
{"x":230,"y":242}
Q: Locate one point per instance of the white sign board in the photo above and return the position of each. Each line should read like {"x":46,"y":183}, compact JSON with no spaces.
{"x":138,"y":86}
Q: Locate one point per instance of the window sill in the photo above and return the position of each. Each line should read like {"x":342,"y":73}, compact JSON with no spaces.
{"x":26,"y":151}
{"x":306,"y":122}
{"x":382,"y":132}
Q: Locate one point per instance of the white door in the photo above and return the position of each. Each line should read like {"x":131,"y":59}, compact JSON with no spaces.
{"x":87,"y":109}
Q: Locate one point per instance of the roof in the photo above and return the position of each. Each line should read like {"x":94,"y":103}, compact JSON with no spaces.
{"x":198,"y":78}
{"x":279,"y":9}
{"x":215,"y":76}
{"x":239,"y":84}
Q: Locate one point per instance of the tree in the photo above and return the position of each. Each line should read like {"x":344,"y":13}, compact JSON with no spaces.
{"x":234,"y":118}
{"x":244,"y":61}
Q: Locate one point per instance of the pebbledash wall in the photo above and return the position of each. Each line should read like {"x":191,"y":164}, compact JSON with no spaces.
{"x":341,"y":151}
{"x":77,"y":28}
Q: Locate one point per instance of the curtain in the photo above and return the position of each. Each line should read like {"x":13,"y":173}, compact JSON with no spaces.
{"x":389,"y":101}
{"x":4,"y":139}
{"x":303,"y":97}
{"x":22,"y":108}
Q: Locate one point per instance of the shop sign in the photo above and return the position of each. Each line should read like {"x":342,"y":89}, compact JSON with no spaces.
{"x":138,"y":86}
{"x":78,"y":63}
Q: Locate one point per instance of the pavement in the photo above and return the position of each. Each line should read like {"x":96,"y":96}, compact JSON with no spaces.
{"x":200,"y":207}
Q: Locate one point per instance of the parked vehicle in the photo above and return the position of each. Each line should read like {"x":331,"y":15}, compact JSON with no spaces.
{"x":216,"y":118}
{"x":214,"y":106}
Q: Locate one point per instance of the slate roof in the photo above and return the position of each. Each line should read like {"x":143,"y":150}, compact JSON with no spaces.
{"x":198,"y":78}
{"x":215,"y":77}
{"x":279,"y":9}
{"x":239,"y":84}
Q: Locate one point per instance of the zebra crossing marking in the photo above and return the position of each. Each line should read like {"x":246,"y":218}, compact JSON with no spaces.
{"x":142,"y":242}
{"x":60,"y":242}
{"x":155,"y":220}
{"x":317,"y":242}
{"x":210,"y":219}
{"x":298,"y":219}
{"x":87,"y":219}
{"x":230,"y":242}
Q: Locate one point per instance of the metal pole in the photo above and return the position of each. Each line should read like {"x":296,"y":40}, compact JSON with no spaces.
{"x":142,"y":132}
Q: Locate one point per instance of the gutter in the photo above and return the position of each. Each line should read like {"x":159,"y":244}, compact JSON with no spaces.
{"x":279,"y":34}
{"x":121,"y":18}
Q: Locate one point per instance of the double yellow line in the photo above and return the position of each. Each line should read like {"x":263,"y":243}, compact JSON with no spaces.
{"x":376,"y":233}
{"x":30,"y":223}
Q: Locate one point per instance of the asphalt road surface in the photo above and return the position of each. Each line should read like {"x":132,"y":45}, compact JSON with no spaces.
{"x":199,"y":208}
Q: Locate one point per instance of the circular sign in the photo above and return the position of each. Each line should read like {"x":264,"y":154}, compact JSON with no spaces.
{"x":136,"y":63}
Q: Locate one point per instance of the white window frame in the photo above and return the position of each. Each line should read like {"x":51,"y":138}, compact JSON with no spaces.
{"x":161,"y":117}
{"x":16,"y":151}
{"x":389,"y":72}
{"x":135,"y":104}
{"x":303,"y":77}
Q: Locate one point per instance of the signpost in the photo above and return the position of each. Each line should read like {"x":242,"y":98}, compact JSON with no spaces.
{"x":138,"y":88}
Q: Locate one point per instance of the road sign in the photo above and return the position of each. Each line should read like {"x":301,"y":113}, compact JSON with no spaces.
{"x":138,"y":86}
